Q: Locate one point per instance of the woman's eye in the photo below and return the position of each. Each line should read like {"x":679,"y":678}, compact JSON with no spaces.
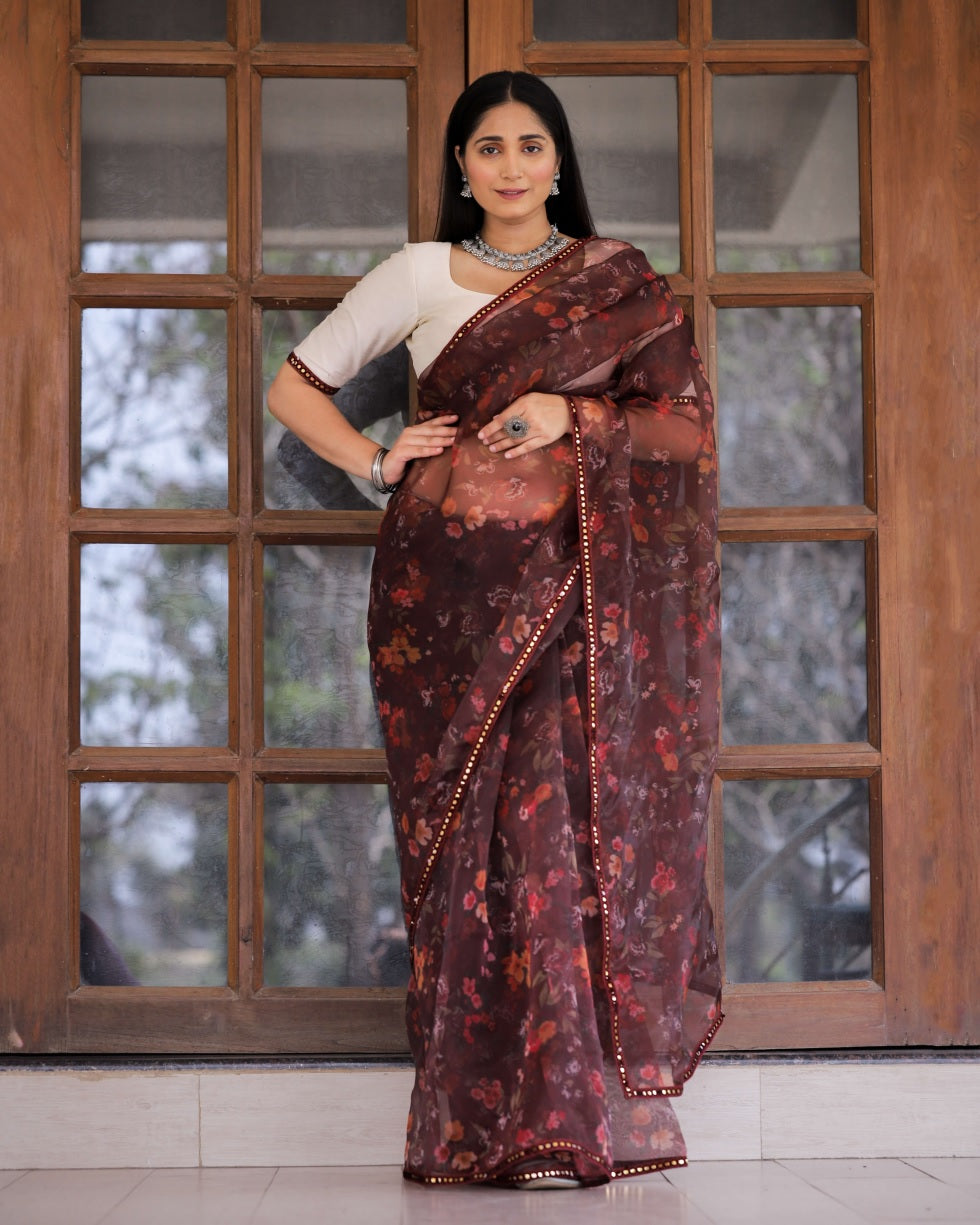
{"x":532,"y":148}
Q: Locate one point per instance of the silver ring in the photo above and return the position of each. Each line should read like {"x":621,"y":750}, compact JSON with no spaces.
{"x":517,"y":427}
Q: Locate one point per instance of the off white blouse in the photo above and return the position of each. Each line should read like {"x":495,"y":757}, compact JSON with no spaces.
{"x":410,"y":297}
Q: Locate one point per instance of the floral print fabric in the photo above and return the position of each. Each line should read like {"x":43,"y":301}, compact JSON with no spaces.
{"x":544,"y":641}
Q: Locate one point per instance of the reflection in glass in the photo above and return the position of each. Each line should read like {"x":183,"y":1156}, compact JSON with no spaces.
{"x":797,"y":880}
{"x":154,"y":407}
{"x":790,"y":419}
{"x":786,"y":172}
{"x":794,"y":642}
{"x":783,"y":19}
{"x":154,"y":174}
{"x":154,"y":884}
{"x":368,"y":21}
{"x":317,"y":678}
{"x":375,"y":401}
{"x":625,"y":132}
{"x":616,"y":20}
{"x":332,"y":915}
{"x":334,"y":174}
{"x":154,"y":644}
{"x":176,"y":19}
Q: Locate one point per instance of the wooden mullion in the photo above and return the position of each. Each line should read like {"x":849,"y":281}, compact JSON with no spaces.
{"x":805,"y":55}
{"x":159,"y":526}
{"x":614,"y":59}
{"x":789,"y":288}
{"x":153,"y":289}
{"x":341,"y":765}
{"x":334,"y":59}
{"x":494,"y":37}
{"x":864,"y":168}
{"x":319,"y":527}
{"x":209,"y":763}
{"x":797,"y":523}
{"x":849,"y":760}
{"x":153,"y":59}
{"x":300,"y":292}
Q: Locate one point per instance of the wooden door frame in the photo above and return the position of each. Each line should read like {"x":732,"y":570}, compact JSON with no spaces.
{"x":923,"y":166}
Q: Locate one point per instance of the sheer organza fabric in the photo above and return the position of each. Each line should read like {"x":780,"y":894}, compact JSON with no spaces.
{"x":544,"y":642}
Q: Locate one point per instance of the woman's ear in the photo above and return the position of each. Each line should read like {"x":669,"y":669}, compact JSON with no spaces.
{"x":459,"y":159}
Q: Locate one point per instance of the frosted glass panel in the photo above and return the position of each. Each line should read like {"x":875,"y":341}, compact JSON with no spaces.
{"x":334,"y":174}
{"x":317,"y":678}
{"x":794,"y":629}
{"x":616,"y":20}
{"x":368,"y":21}
{"x":797,"y":879}
{"x":154,"y":407}
{"x":790,"y":415}
{"x":154,"y":174}
{"x":154,"y":884}
{"x":332,"y":893}
{"x":786,"y":172}
{"x":374,"y":401}
{"x":625,"y":131}
{"x":154,"y":644}
{"x":784,"y":18}
{"x":149,"y":20}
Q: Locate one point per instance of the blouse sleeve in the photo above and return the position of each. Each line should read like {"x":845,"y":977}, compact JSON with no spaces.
{"x":379,"y":312}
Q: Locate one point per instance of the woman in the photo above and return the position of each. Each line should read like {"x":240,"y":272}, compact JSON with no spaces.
{"x":543,"y":631}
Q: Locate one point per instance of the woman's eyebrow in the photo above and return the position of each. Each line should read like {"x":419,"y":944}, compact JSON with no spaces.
{"x":528,"y":136}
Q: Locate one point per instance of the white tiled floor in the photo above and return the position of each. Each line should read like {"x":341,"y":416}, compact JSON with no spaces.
{"x":830,"y":1192}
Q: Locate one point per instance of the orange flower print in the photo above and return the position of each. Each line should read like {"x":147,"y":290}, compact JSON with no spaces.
{"x":544,"y":308}
{"x":475,"y":517}
{"x":522,"y":628}
{"x":609,"y":633}
{"x":453,"y":1130}
{"x":463,"y":1161}
{"x":590,"y":906}
{"x":423,"y":832}
{"x":517,"y":967}
{"x":540,"y":1037}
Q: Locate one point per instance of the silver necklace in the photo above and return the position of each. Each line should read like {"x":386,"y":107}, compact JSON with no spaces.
{"x":515,"y":261}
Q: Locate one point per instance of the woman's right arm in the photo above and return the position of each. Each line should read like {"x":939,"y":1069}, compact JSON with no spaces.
{"x":316,"y":420}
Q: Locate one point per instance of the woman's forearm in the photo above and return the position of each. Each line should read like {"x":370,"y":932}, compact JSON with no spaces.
{"x":314,"y":418}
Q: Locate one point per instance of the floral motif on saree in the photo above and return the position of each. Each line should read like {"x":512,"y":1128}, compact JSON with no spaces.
{"x":544,"y":642}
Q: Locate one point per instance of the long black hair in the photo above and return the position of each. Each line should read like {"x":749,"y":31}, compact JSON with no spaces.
{"x":459,"y":218}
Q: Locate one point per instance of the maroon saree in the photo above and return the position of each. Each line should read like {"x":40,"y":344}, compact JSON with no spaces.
{"x":544,"y":642}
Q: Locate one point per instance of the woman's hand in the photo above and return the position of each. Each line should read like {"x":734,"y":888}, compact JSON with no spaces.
{"x":547,"y":416}
{"x":418,"y":441}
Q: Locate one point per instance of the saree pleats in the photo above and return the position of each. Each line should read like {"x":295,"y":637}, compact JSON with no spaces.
{"x":543,"y":637}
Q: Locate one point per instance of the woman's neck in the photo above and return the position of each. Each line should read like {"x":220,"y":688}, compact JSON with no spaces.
{"x":523,"y":235}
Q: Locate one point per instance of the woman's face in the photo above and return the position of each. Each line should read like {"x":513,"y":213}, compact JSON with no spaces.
{"x":510,"y":161}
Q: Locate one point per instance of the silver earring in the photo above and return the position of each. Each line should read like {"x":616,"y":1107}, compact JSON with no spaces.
{"x":554,"y":184}
{"x":467,"y":192}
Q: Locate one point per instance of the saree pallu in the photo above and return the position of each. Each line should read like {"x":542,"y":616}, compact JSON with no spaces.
{"x":544,"y":643}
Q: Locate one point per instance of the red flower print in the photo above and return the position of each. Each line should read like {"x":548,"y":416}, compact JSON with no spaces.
{"x":664,"y":879}
{"x":525,"y":1137}
{"x":469,"y":901}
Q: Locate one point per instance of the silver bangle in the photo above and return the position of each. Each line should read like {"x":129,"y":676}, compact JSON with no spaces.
{"x":377,"y":476}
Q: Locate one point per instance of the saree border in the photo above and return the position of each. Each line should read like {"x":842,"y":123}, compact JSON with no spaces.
{"x":486,"y":727}
{"x":498,"y":1176}
{"x":592,"y":727}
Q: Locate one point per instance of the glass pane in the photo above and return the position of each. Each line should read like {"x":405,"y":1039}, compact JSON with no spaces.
{"x":154,"y":884}
{"x":790,"y":419}
{"x":786,"y":173}
{"x":368,"y":21}
{"x":154,"y":174}
{"x":617,"y":20}
{"x":784,"y":18}
{"x":793,"y":638}
{"x":332,"y":915}
{"x":797,"y":880}
{"x":154,"y":407}
{"x":375,"y":401}
{"x":625,"y":131}
{"x":151,"y":21}
{"x":317,"y":677}
{"x":334,"y":174}
{"x":154,"y":644}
